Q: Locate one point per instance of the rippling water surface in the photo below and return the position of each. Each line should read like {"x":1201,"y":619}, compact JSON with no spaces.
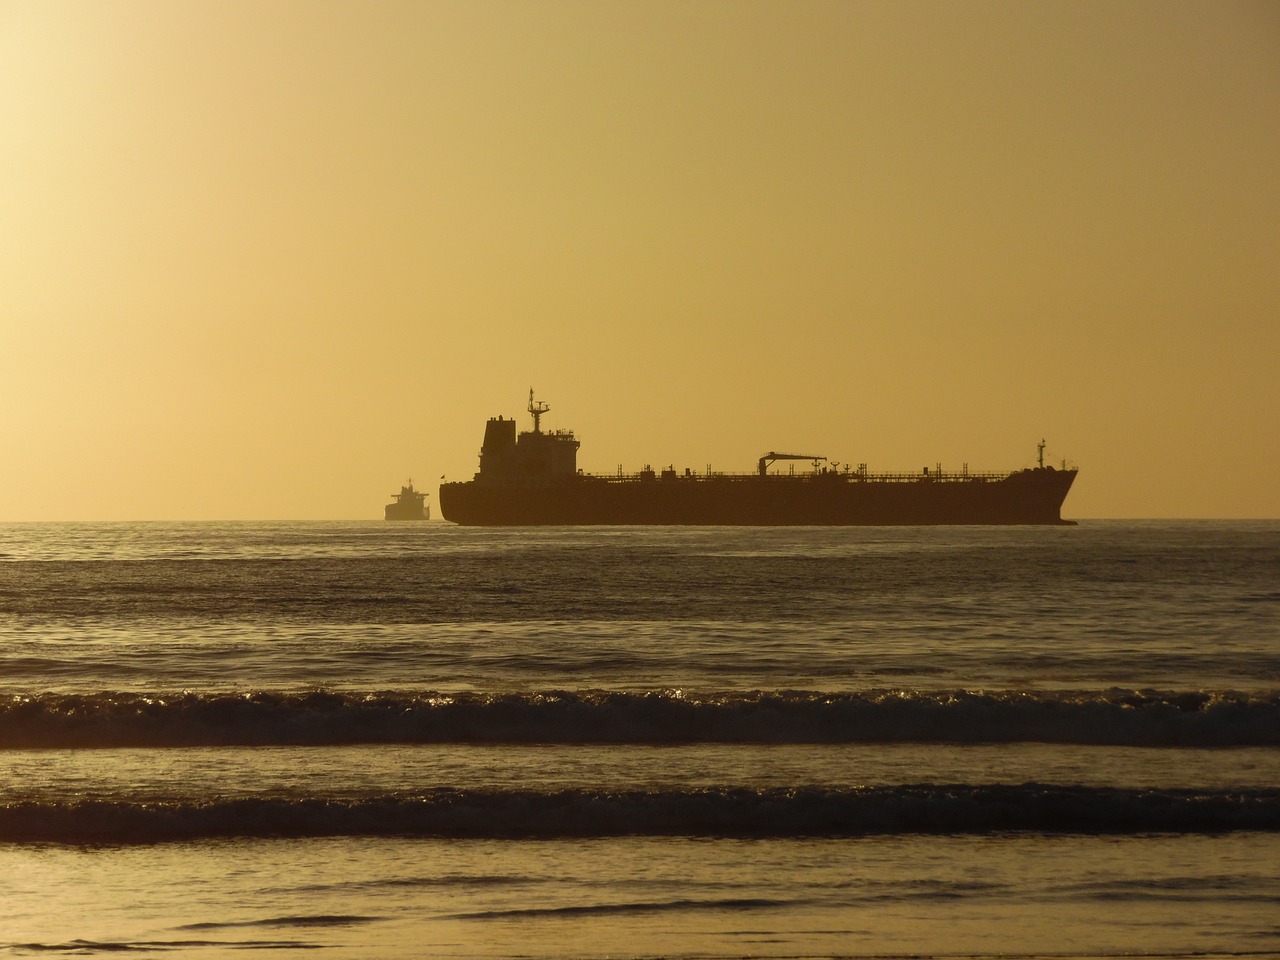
{"x":417,"y":739}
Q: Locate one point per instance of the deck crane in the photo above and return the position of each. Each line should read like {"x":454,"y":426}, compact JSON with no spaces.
{"x":769,"y":457}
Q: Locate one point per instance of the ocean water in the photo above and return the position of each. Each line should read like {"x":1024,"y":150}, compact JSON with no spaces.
{"x":419,"y":740}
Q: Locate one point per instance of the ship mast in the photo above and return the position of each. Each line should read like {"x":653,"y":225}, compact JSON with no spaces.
{"x":537,"y":409}
{"x":1039,"y":446}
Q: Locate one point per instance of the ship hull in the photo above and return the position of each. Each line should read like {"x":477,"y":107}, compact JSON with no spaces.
{"x":395,"y":511}
{"x":1025,"y":497}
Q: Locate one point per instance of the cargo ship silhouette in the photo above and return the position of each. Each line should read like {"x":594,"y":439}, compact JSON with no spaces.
{"x":533,"y":479}
{"x":409,"y":504}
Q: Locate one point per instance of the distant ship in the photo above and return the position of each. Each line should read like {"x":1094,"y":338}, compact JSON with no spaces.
{"x":533,"y":479}
{"x":409,"y":505}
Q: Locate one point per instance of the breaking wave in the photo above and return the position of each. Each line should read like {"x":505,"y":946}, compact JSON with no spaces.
{"x":321,"y":718}
{"x":707,"y":812}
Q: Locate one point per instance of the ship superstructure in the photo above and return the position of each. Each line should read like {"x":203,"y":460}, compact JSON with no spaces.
{"x":532,"y":458}
{"x":532,"y":477}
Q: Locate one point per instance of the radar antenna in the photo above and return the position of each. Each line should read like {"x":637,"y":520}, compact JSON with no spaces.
{"x":537,"y":409}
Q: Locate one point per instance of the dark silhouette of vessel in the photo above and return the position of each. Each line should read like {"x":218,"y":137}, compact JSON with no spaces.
{"x":409,"y":504}
{"x":533,"y":479}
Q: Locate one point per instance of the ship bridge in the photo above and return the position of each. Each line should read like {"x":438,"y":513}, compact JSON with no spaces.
{"x":535,"y":455}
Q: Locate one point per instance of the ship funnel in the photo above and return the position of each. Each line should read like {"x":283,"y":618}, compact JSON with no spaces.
{"x":499,"y":436}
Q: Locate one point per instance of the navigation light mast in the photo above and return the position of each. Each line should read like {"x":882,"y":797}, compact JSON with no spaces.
{"x":537,"y":408}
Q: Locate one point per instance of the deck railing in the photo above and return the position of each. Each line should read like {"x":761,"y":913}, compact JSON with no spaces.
{"x":833,"y":476}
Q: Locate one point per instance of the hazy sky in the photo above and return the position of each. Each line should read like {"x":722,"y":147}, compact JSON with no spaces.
{"x":269,"y":259}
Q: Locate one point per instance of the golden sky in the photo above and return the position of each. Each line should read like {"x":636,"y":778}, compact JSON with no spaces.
{"x":267,"y":259}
